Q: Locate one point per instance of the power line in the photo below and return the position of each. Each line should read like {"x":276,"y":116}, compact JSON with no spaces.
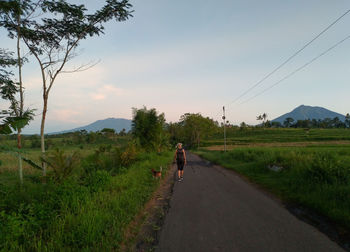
{"x":289,"y":59}
{"x":298,"y":69}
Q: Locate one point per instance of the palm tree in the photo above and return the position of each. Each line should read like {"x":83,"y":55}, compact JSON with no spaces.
{"x":259,"y":118}
{"x":264,"y":116}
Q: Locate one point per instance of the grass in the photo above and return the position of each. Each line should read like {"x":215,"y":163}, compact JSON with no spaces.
{"x":315,"y":177}
{"x":316,"y":165}
{"x":85,"y":213}
{"x":271,"y":135}
{"x":9,"y":162}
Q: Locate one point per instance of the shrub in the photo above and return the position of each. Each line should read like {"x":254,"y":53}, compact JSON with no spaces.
{"x":62,"y":164}
{"x":104,"y":158}
{"x":129,"y":156}
{"x":98,"y":180}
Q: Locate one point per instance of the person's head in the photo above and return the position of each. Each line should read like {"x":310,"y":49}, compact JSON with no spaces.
{"x":179,"y":145}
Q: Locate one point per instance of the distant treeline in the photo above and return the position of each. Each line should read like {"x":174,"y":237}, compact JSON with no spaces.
{"x":104,"y":136}
{"x":327,"y":123}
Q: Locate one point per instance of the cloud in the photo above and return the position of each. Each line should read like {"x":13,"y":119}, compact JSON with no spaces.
{"x":107,"y":91}
{"x":65,"y":115}
{"x":98,"y":97}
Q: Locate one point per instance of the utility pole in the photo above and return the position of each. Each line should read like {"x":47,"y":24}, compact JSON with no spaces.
{"x":224,"y":118}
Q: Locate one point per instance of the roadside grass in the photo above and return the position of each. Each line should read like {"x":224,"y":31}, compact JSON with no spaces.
{"x":88,"y":213}
{"x":315,"y":177}
{"x":9,"y":161}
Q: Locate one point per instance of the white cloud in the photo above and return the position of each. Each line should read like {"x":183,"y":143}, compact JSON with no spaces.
{"x":65,"y":115}
{"x":98,"y":97}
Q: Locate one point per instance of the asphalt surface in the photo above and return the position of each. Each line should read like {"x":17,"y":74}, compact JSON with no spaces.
{"x":213,"y":209}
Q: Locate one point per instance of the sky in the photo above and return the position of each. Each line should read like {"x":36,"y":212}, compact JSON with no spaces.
{"x":196,"y":56}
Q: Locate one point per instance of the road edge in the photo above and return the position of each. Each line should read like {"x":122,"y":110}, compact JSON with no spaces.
{"x":142,"y":234}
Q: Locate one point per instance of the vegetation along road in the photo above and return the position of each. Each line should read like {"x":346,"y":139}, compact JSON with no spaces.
{"x":214,"y":209}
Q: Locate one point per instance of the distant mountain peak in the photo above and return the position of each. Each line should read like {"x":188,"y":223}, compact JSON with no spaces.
{"x":304,"y":112}
{"x":118,"y":124}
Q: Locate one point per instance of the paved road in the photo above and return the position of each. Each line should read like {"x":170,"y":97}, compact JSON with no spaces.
{"x":213,"y":209}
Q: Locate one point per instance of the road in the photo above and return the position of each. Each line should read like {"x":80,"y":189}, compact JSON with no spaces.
{"x":214,"y":209}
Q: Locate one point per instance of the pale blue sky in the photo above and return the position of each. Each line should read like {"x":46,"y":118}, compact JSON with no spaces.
{"x":195,"y":56}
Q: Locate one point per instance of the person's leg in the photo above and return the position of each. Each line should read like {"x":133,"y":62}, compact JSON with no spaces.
{"x":182,"y":170}
{"x":178,"y":173}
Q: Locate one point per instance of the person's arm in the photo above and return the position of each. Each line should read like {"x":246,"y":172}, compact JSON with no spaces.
{"x":175,"y":157}
{"x":185,"y":156}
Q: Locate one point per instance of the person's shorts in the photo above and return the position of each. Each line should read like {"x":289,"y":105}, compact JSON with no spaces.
{"x":180,"y":165}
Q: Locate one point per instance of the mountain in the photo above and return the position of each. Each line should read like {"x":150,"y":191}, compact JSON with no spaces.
{"x":113,"y":123}
{"x":308,"y":112}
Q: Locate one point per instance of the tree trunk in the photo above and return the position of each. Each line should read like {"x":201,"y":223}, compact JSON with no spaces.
{"x":19,"y":146}
{"x":21,"y":101}
{"x":42,"y":131}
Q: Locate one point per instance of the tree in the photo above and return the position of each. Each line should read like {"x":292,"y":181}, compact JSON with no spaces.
{"x":276,"y":125}
{"x":15,"y":118}
{"x":8,"y":89}
{"x":259,"y":118}
{"x":122,"y":132}
{"x":288,"y":122}
{"x":52,"y":38}
{"x":243,"y":125}
{"x":109,"y":133}
{"x":347,"y":120}
{"x":148,"y":128}
{"x":337,"y":123}
{"x":196,"y":127}
{"x":264,"y":117}
{"x":176,"y":133}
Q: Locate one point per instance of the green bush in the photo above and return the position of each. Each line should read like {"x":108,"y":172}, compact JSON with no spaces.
{"x":82,"y":206}
{"x":129,"y":155}
{"x":62,"y":164}
{"x":105,"y":158}
{"x":98,"y":180}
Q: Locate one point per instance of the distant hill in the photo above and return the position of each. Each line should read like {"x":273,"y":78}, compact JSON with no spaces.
{"x":113,"y":123}
{"x":308,"y":112}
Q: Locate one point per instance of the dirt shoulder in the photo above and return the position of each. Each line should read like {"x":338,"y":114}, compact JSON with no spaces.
{"x":143,"y":232}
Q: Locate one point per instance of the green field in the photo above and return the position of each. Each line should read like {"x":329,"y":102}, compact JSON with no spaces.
{"x":68,"y":143}
{"x":87,"y":210}
{"x":236,"y":136}
{"x":315,"y":176}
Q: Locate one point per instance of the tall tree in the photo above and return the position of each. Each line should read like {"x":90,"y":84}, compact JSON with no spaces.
{"x":8,"y":89}
{"x":148,"y":128}
{"x":259,"y":118}
{"x":13,"y":14}
{"x":15,"y":118}
{"x":264,"y":117}
{"x":196,"y":127}
{"x":53,"y":38}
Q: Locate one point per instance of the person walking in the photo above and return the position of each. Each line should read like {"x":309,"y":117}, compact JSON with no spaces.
{"x":180,"y":158}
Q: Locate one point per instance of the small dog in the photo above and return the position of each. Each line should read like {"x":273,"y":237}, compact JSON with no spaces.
{"x":157,"y":174}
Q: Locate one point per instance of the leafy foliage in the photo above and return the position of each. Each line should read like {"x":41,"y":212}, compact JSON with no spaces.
{"x":88,"y":213}
{"x":62,"y":164}
{"x":148,"y":128}
{"x":192,"y":129}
